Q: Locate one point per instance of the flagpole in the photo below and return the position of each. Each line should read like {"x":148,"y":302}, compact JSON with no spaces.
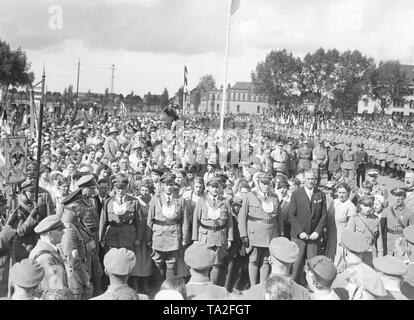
{"x":39,"y":136}
{"x":184,"y":86}
{"x":226,"y":68}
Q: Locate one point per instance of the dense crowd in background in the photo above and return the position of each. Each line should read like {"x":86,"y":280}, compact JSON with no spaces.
{"x":136,"y":207}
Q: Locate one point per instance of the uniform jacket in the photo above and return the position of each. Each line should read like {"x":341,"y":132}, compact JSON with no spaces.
{"x":207,"y":290}
{"x":121,"y":231}
{"x":90,"y":215}
{"x":200,"y":217}
{"x":76,"y":268}
{"x":305,"y":158}
{"x":335,"y":159}
{"x":305,"y":215}
{"x":6,"y":234}
{"x":55,"y":273}
{"x":168,"y":237}
{"x":260,"y":233}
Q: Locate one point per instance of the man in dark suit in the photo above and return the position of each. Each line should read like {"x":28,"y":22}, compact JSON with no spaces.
{"x":103,"y":188}
{"x":307,"y":215}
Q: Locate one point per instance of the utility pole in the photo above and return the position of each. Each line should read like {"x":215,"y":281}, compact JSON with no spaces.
{"x":112,"y":78}
{"x":77,"y":80}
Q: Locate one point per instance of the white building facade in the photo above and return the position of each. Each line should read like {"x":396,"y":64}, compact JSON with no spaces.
{"x":405,"y":108}
{"x":240,"y":99}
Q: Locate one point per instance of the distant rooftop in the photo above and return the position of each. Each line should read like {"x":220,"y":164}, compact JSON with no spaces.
{"x":409,"y":70}
{"x":243,"y":86}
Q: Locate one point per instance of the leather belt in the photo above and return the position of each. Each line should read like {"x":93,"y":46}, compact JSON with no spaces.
{"x":167,"y":222}
{"x":394,"y":232}
{"x":305,"y":158}
{"x":119,"y":224}
{"x":264,"y":220}
{"x":213,"y":228}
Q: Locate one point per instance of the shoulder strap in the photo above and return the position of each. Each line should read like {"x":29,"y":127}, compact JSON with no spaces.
{"x":370,"y":231}
{"x":396,"y":217}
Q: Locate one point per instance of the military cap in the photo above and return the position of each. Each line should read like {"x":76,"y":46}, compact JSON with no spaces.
{"x":120,"y":180}
{"x":49,"y":223}
{"x":84,"y":169}
{"x":27,"y":273}
{"x":251,"y":170}
{"x":354,"y":241}
{"x":284,"y":250}
{"x":283,"y":184}
{"x":27,"y":186}
{"x":409,"y":233}
{"x":199,"y":257}
{"x":86,"y":181}
{"x":214,"y":180}
{"x":372,"y":172}
{"x":264,"y":177}
{"x":390,"y":265}
{"x":367,"y":201}
{"x":147,"y":183}
{"x":323,"y":267}
{"x":113,"y":130}
{"x":157,"y":172}
{"x":119,"y":261}
{"x":72,"y":197}
{"x":168,"y":177}
{"x":397,"y":192}
{"x":373,"y":283}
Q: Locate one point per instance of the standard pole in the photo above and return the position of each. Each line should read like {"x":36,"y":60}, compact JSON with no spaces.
{"x":225,"y":71}
{"x":77,"y":80}
{"x":39,"y":137}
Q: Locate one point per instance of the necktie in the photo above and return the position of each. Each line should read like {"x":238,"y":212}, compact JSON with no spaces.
{"x":214,"y":201}
{"x":120,"y":201}
{"x":168,"y":201}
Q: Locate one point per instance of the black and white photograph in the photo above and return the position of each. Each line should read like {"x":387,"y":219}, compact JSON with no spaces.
{"x":226,"y":150}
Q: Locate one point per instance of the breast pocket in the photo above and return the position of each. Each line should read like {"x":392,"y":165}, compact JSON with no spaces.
{"x":202,"y":236}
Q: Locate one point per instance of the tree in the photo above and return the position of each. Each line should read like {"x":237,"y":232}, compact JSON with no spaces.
{"x":354,"y":70}
{"x":164,"y":98}
{"x":14,"y":68}
{"x":320,"y":75}
{"x":206,"y":83}
{"x":278,"y":77}
{"x":388,"y":84}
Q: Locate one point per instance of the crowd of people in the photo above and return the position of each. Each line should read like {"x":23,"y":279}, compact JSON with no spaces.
{"x":136,"y":208}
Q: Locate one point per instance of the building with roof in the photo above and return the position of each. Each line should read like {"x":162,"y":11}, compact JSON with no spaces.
{"x":405,"y":108}
{"x":241,"y":98}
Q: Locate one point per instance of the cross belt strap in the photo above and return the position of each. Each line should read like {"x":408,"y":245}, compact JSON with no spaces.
{"x":264,"y":220}
{"x":212,"y":228}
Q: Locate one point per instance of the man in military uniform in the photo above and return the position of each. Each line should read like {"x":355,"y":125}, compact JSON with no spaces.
{"x":118,"y":263}
{"x":168,"y":220}
{"x":348,"y":164}
{"x":283,"y":253}
{"x":213,"y":227}
{"x":25,"y":217}
{"x":200,"y":259}
{"x":305,"y":157}
{"x":292,"y":159}
{"x":391,"y":271}
{"x":320,"y":158}
{"x":280,"y":158}
{"x":354,"y":245}
{"x":74,"y":250}
{"x":382,"y":156}
{"x":361,"y":161}
{"x":335,"y":160}
{"x":409,"y":187}
{"x":258,"y":225}
{"x":88,"y":208}
{"x":372,"y":177}
{"x":394,"y":219}
{"x":46,"y":253}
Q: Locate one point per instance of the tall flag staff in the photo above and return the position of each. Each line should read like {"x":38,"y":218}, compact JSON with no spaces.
{"x":185,"y":88}
{"x":39,"y":136}
{"x":233,"y":7}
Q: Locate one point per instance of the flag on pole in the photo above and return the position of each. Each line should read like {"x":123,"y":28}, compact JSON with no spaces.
{"x":4,"y":126}
{"x":123,"y":108}
{"x":235,"y":5}
{"x":185,"y":77}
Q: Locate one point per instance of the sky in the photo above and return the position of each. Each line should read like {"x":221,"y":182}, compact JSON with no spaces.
{"x":150,"y":41}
